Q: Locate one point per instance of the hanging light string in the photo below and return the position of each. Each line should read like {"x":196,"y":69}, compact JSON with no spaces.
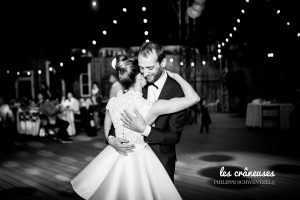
{"x":238,"y":20}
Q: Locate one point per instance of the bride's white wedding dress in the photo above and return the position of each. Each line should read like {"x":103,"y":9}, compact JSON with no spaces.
{"x":137,"y":176}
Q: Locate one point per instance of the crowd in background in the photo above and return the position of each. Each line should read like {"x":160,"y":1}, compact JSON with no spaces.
{"x":58,"y":116}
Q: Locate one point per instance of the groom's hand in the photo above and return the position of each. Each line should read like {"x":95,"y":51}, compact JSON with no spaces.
{"x":120,"y":145}
{"x":136,"y":124}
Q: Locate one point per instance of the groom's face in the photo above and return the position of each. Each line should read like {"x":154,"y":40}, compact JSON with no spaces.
{"x":150,"y":67}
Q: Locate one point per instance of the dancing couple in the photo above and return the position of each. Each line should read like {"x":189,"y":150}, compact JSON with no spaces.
{"x":139,"y":162}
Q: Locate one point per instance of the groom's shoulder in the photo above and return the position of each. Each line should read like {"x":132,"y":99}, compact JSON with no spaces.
{"x":175,"y":87}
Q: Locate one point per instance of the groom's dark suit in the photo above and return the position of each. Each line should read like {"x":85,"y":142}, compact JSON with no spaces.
{"x":167,"y":131}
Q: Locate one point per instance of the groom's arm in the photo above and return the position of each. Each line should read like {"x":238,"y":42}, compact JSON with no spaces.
{"x":171,"y":135}
{"x":112,"y":131}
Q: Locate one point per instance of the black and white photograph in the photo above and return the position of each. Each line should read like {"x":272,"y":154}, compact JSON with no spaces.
{"x":149,"y":100}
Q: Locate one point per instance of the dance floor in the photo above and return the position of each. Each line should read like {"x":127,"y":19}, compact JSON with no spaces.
{"x":40,"y":168}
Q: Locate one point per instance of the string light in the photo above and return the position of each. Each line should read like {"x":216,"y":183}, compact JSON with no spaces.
{"x":192,"y":64}
{"x":94,"y":3}
{"x":61,"y":64}
{"x":39,"y":72}
{"x":144,"y":9}
{"x":124,"y":10}
{"x":104,"y":32}
{"x":94,"y":42}
{"x":83,"y":51}
{"x":145,"y":21}
{"x":50,"y":69}
{"x":181,"y":63}
{"x":203,"y":62}
{"x":243,"y":11}
{"x":72,"y":58}
{"x":18,"y":73}
{"x":147,"y":40}
{"x":219,"y":46}
{"x":28,"y":73}
{"x":146,"y":33}
{"x":115,"y":21}
{"x":214,"y":58}
{"x":7,"y":71}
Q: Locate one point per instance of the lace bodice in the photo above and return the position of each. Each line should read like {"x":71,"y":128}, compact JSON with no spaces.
{"x":128,"y":101}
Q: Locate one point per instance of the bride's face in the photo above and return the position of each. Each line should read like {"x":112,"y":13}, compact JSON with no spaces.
{"x":142,"y":80}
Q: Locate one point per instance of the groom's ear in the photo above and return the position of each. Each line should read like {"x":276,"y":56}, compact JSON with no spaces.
{"x":163,"y":63}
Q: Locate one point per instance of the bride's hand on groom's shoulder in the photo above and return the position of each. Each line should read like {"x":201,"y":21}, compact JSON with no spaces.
{"x":121,"y":145}
{"x":172,"y":74}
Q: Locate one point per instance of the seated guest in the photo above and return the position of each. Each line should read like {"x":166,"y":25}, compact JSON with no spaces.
{"x":51,"y":110}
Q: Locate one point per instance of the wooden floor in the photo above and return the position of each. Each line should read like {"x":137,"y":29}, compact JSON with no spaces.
{"x":40,"y":168}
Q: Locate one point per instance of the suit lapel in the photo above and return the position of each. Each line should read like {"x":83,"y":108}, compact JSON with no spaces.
{"x":164,"y":93}
{"x":145,"y":92}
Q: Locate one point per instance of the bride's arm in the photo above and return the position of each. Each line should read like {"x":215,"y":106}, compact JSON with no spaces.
{"x":107,"y":123}
{"x":161,"y":107}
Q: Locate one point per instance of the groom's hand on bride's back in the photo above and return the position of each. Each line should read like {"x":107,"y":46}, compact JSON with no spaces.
{"x":121,"y":145}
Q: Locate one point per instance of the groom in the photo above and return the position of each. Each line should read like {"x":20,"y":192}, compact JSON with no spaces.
{"x":165,"y":133}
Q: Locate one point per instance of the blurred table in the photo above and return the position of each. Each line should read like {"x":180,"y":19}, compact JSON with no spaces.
{"x":28,"y":122}
{"x":254,"y":114}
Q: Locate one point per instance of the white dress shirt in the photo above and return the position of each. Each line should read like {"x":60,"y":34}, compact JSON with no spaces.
{"x":153,"y":92}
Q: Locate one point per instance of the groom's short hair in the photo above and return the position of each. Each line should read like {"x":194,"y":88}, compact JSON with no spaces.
{"x":148,"y":48}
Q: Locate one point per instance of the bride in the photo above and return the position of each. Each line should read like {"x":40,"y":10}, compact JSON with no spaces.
{"x":139,"y":175}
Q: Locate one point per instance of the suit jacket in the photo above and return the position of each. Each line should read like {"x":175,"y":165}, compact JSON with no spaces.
{"x":168,"y":128}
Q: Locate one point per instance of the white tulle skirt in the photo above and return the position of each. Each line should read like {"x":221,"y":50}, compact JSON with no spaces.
{"x":137,"y":176}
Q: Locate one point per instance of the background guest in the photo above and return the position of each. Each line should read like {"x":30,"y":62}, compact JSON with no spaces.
{"x":45,"y":91}
{"x":205,"y":117}
{"x":55,"y":124}
{"x":7,"y":126}
{"x":95,"y":109}
{"x":70,"y":108}
{"x":116,"y":88}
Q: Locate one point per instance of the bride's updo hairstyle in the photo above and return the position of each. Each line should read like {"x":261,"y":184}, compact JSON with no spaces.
{"x":127,"y":70}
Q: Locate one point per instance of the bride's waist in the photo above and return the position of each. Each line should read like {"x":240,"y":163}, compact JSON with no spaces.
{"x":132,"y":137}
{"x":139,"y":146}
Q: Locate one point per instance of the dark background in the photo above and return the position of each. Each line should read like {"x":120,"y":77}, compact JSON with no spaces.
{"x":51,"y":28}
